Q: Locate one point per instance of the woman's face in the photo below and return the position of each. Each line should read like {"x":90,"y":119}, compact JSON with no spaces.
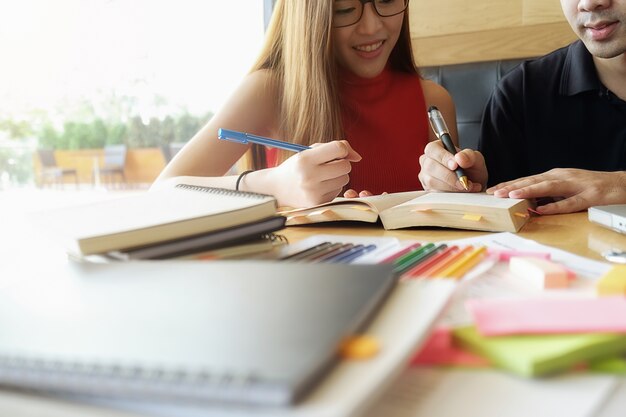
{"x":364,"y":47}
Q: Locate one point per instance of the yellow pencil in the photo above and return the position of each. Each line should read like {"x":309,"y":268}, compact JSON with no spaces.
{"x":459,"y":268}
{"x":435,"y":270}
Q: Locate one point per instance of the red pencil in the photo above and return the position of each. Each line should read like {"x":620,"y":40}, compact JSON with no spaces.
{"x":398,"y":254}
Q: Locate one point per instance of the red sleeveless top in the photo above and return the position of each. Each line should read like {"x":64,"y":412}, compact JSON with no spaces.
{"x":385,"y":121}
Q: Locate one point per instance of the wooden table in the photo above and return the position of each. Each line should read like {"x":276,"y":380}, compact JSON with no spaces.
{"x":571,"y":232}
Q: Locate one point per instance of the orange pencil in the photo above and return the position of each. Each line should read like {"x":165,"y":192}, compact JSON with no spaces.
{"x":436,"y":269}
{"x":458,"y":269}
{"x":429,"y":263}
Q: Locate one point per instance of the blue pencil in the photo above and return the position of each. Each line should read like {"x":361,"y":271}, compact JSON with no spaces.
{"x":354,"y":253}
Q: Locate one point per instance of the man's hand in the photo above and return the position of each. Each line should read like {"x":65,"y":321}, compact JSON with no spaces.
{"x":576,"y":189}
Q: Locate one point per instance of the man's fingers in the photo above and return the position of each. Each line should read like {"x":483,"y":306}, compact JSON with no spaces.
{"x":567,"y":205}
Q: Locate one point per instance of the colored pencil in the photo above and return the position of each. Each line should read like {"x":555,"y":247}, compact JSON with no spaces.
{"x":458,"y":269}
{"x":329,"y":252}
{"x":415,"y":252}
{"x":400,"y":253}
{"x":431,"y":262}
{"x":419,"y":256}
{"x":301,"y":254}
{"x":353,"y":254}
{"x":444,"y":263}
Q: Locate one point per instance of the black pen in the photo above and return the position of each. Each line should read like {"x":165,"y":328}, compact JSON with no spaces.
{"x":442,"y":132}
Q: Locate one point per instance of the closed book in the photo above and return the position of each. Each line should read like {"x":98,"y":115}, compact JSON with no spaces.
{"x":473,"y":211}
{"x":204,"y":242}
{"x":246,"y":332}
{"x":153,"y":217}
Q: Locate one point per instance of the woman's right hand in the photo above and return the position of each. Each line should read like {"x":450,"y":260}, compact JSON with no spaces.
{"x":310,"y":177}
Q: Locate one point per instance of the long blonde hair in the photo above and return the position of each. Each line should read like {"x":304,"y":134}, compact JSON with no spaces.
{"x":299,"y":54}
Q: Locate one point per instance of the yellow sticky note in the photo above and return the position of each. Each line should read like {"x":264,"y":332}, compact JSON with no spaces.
{"x":613,"y":282}
{"x":472,"y":217}
{"x":361,"y":208}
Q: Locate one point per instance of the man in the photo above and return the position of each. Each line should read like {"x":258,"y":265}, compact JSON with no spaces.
{"x":555,"y":126}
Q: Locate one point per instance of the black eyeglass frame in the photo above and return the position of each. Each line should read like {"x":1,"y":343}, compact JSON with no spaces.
{"x":364,"y":2}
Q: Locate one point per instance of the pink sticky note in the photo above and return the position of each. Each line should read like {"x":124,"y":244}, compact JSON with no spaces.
{"x":549,"y":315}
{"x":440,"y":351}
{"x":505,"y":255}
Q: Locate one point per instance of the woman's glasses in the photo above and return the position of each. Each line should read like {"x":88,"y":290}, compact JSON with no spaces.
{"x":349,"y":12}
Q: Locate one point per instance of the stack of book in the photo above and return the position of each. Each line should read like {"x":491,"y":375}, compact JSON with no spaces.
{"x":170,"y":222}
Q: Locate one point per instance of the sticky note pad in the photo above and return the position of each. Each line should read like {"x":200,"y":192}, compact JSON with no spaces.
{"x":440,"y":351}
{"x":531,"y":355}
{"x":495,"y":317}
{"x":615,"y":365}
{"x":613,"y":282}
{"x":541,"y":273}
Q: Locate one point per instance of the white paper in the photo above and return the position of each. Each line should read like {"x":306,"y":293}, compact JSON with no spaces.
{"x":430,"y":392}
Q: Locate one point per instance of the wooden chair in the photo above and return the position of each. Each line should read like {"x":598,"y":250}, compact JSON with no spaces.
{"x":113,"y":167}
{"x":50,"y":172}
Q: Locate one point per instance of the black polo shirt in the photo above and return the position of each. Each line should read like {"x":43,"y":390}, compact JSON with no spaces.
{"x":553,"y":112}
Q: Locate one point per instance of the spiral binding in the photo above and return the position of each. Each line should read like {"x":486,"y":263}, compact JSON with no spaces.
{"x":135,"y":381}
{"x":275,"y":238}
{"x":222,"y":191}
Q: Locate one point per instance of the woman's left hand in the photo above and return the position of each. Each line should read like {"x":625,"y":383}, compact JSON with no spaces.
{"x":353,"y":194}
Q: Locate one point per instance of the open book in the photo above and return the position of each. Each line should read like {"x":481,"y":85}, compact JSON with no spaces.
{"x":149,"y":218}
{"x":420,"y":208}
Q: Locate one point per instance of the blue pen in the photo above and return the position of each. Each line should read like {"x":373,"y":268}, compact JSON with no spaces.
{"x":241,"y":137}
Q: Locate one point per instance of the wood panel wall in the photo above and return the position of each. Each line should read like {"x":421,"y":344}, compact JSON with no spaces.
{"x":458,"y":31}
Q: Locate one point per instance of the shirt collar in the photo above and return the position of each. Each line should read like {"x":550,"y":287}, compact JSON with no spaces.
{"x":579,"y":72}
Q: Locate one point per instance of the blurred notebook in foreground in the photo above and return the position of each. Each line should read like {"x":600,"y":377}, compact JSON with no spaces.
{"x":419,"y":208}
{"x":228,"y":332}
{"x":153,"y":217}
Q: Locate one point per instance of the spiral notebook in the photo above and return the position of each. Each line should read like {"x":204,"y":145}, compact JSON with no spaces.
{"x":228,"y":237}
{"x":153,"y":217}
{"x":250,"y":333}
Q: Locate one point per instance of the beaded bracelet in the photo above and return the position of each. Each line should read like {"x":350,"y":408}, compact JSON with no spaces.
{"x":240,"y":177}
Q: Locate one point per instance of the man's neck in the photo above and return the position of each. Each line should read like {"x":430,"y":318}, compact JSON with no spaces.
{"x":612,"y":73}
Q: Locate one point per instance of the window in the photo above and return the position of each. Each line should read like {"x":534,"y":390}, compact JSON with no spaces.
{"x":84,"y":75}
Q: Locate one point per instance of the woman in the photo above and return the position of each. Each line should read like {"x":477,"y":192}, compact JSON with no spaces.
{"x":337,"y":75}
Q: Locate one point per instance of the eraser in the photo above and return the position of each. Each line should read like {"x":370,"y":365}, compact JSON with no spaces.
{"x":541,"y":273}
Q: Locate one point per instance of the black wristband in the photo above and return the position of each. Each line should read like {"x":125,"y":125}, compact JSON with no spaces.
{"x":240,"y":177}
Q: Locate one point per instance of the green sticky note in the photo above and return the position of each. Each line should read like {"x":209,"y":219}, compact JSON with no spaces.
{"x":536,"y":355}
{"x":615,"y":365}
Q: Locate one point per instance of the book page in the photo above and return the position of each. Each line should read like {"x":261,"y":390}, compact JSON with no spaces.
{"x":464,"y":200}
{"x":375,"y":202}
